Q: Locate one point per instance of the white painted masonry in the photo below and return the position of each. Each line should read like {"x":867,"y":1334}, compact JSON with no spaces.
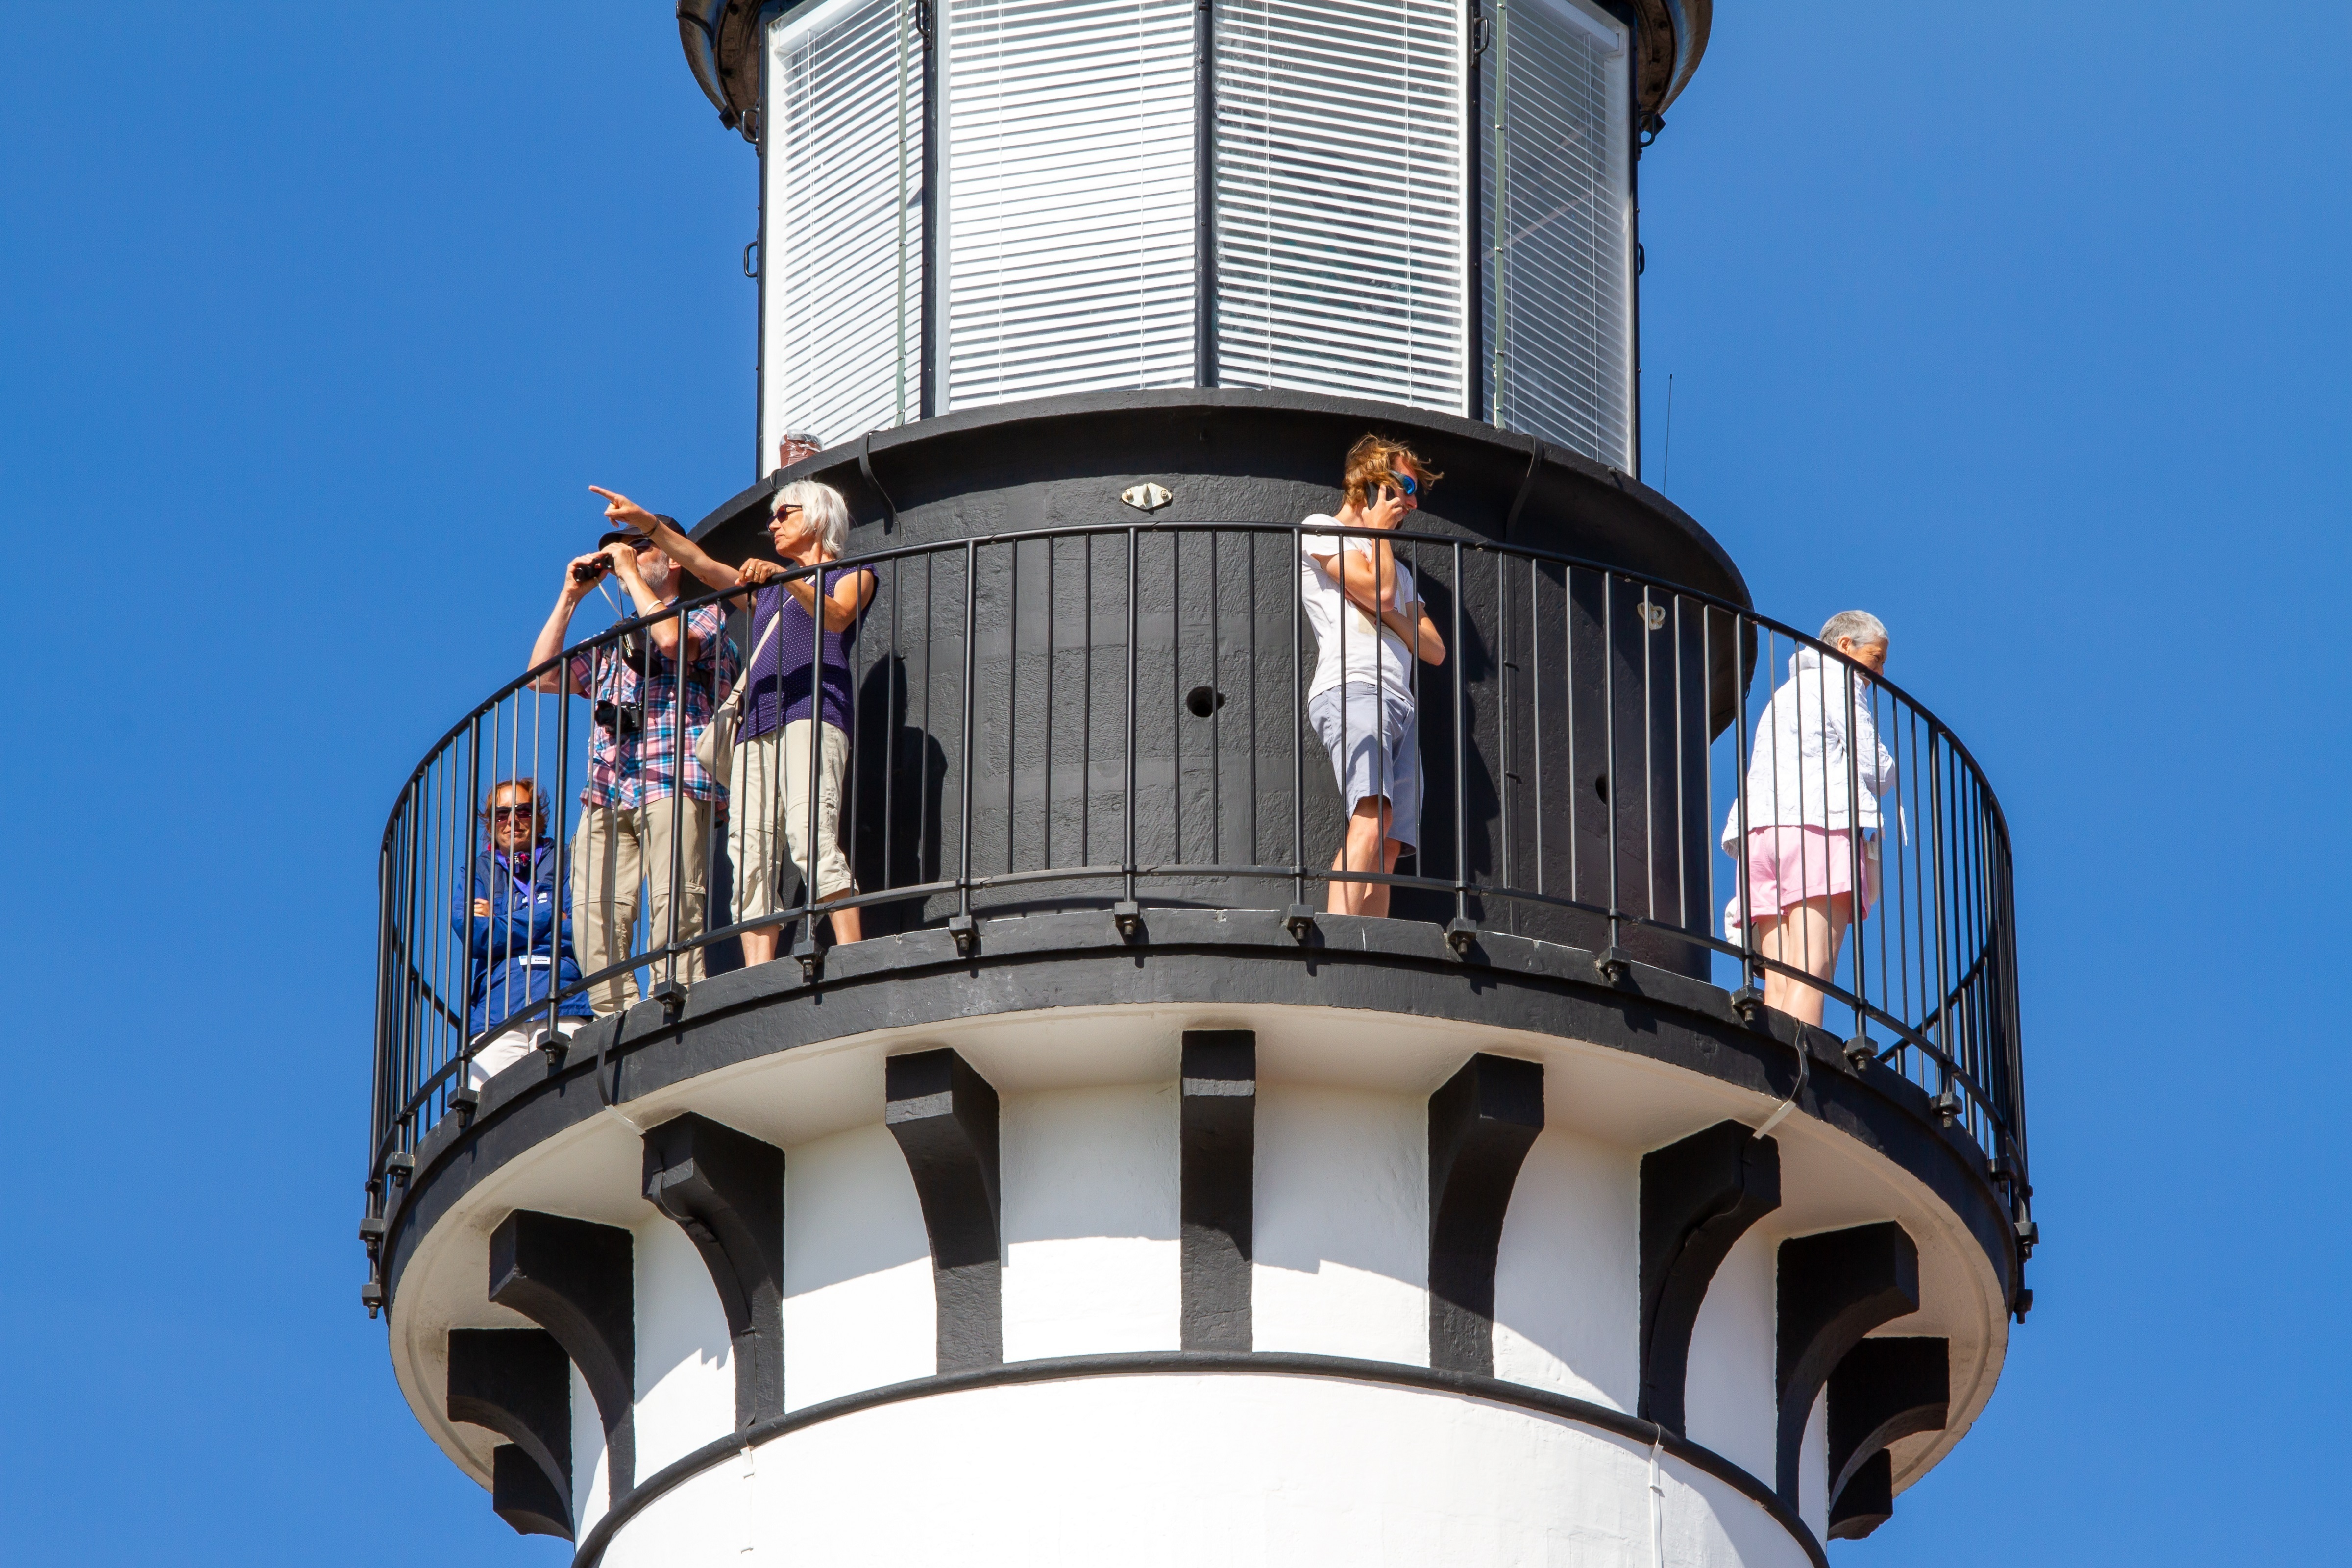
{"x":590,"y":1485}
{"x":686,"y":1376}
{"x":1728,"y":1404}
{"x":1568,"y":1287}
{"x":1342,"y":1222}
{"x":1180,"y":1471}
{"x":858,"y":1306}
{"x":1813,"y":1469}
{"x":1091,"y":1216}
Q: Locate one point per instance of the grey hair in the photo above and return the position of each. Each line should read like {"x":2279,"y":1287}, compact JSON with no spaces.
{"x":1864,"y":627}
{"x":825,"y":507}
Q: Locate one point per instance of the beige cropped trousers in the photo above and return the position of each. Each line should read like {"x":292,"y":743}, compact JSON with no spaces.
{"x":769,"y":789}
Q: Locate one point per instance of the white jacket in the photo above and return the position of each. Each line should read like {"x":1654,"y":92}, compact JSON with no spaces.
{"x":1798,"y":774}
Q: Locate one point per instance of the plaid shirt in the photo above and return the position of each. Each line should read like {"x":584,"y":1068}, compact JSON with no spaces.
{"x":633,"y":770}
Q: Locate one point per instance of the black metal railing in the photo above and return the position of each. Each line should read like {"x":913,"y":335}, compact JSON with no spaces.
{"x":1116,"y":717}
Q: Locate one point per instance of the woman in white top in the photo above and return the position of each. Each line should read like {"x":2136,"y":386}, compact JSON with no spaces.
{"x":1370,"y":627}
{"x":1812,"y":786}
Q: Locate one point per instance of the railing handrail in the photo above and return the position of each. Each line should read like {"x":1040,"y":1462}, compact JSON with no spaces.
{"x":1990,"y":964}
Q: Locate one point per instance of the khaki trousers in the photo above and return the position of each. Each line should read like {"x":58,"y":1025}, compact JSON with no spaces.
{"x":769,"y":794}
{"x":616,"y":852}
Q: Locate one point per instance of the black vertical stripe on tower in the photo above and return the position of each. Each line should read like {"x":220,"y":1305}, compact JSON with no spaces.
{"x":1218,"y":1166}
{"x":1481,"y":1124}
{"x":1835,"y":1287}
{"x":517,"y":1383}
{"x":1884,"y":1391}
{"x":1204,"y":192}
{"x":943,"y":1115}
{"x":726,"y":1190}
{"x":1698,"y":1197}
{"x":577,"y":1280}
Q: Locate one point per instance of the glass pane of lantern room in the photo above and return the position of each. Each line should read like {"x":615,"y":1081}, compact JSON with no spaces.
{"x":1559,"y":312}
{"x":1068,"y":250}
{"x":843,"y":272}
{"x":1341,"y":238}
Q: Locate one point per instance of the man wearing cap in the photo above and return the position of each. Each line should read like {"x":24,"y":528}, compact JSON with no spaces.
{"x":645,"y":816}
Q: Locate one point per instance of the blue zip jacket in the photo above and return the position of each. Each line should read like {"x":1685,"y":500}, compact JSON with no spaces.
{"x":523,"y":941}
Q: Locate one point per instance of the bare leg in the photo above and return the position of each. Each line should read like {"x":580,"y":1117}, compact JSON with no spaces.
{"x":1361,"y":851}
{"x":1807,"y":936}
{"x":759,"y":946}
{"x":847,"y":926}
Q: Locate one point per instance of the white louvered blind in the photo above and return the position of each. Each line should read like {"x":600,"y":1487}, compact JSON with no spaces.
{"x":1558,"y":228}
{"x":844,"y":270}
{"x":1341,"y":237}
{"x":1069,"y":212}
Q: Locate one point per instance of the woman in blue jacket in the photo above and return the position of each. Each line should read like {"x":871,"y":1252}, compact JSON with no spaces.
{"x":517,"y":919}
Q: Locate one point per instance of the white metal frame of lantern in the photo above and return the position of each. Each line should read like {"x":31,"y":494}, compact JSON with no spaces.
{"x":979,"y":201}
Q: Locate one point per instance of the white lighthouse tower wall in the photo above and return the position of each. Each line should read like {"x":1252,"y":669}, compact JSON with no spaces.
{"x":1091,"y":1221}
{"x":859,"y":1302}
{"x":1568,"y":1288}
{"x":1342,"y":1221}
{"x":1176,"y":1470}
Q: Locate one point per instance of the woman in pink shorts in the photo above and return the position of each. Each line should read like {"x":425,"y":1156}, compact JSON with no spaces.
{"x":1813,"y":855}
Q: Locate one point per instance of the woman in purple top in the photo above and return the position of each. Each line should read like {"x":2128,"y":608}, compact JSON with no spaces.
{"x":798,"y":690}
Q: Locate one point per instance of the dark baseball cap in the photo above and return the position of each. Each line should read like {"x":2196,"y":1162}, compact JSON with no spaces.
{"x":629,"y":536}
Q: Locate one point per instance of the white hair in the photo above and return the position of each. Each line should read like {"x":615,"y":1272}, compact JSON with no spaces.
{"x":825,"y":507}
{"x":1866,"y":629}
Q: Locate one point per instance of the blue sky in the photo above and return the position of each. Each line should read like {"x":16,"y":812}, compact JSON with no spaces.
{"x":2026,"y":329}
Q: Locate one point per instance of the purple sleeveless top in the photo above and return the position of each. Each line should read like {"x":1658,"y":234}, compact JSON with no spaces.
{"x":779,"y":693}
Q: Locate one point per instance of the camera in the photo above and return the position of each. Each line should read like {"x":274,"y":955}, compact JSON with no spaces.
{"x":621,"y":718}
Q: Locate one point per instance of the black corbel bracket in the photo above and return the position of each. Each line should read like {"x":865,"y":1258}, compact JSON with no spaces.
{"x":943,"y":1114}
{"x":577,"y":1280}
{"x":1218,"y":1162}
{"x":1482,"y":1122}
{"x":521,"y":1494}
{"x":726,"y":1190}
{"x":517,"y":1383}
{"x":1835,"y":1287}
{"x":1884,"y":1391}
{"x":1698,"y":1198}
{"x":1868,"y":1500}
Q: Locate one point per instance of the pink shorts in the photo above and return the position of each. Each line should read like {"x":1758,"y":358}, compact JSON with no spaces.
{"x":1789,"y":863}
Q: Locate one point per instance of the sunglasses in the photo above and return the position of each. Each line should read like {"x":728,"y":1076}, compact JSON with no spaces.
{"x":503,"y":813}
{"x":1406,"y":482}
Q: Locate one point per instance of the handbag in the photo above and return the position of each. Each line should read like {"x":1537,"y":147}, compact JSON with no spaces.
{"x":715,"y":748}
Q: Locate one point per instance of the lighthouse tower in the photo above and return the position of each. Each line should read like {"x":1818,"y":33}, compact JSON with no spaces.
{"x":1114,"y":1199}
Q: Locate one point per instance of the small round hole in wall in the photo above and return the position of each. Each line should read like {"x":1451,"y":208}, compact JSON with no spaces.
{"x":1203,"y":701}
